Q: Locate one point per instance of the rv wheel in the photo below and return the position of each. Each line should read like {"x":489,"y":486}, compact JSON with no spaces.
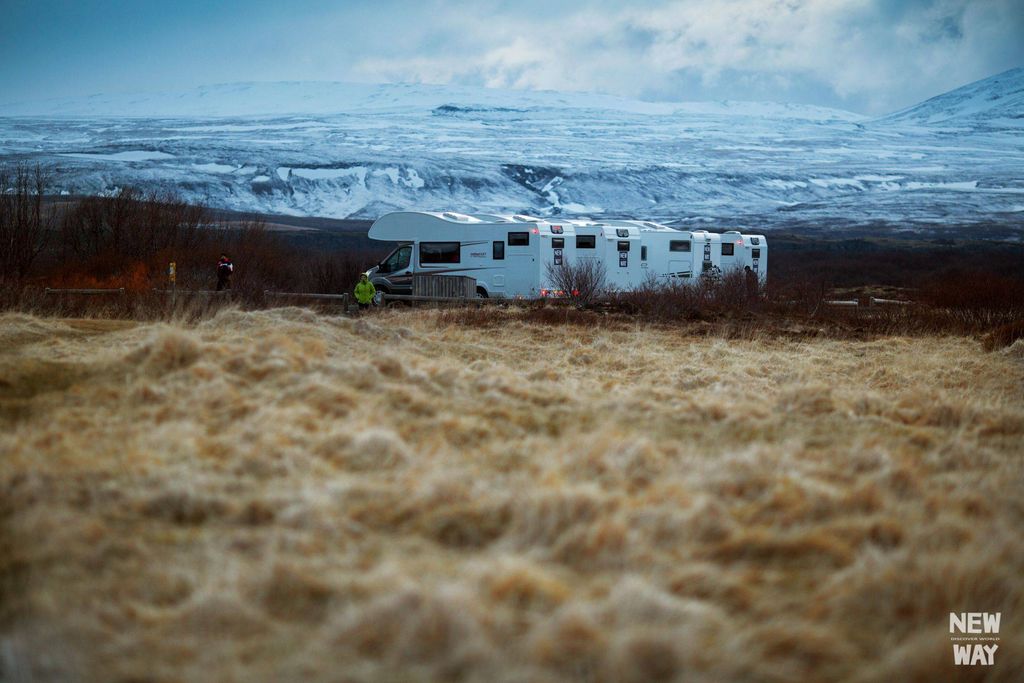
{"x":378,"y":298}
{"x":481,"y":293}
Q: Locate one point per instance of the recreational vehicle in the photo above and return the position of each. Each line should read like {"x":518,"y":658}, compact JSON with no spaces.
{"x":508,"y":255}
{"x":671,"y":253}
{"x":513,"y":256}
{"x":616,"y":245}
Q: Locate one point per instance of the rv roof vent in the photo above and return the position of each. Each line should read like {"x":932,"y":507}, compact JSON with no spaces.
{"x":522,"y":219}
{"x":489,"y":218}
{"x":732,"y":232}
{"x":651,"y":225}
{"x":452,"y":216}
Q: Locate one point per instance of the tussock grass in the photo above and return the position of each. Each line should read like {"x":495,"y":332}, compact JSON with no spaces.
{"x":486,"y":495}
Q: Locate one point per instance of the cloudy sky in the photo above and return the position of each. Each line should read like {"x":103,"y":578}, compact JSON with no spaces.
{"x":868,"y":56}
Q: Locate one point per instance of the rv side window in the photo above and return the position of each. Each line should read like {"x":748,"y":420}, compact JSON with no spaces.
{"x":643,"y":253}
{"x":499,"y":251}
{"x":623,"y":245}
{"x":439,"y":252}
{"x":557,"y":242}
{"x":586,"y":242}
{"x":727,"y":248}
{"x":519,"y":239}
{"x":755,"y":253}
{"x":679,"y":245}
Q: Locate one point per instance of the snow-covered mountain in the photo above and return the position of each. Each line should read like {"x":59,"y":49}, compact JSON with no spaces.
{"x":351,"y":150}
{"x":995,"y":102}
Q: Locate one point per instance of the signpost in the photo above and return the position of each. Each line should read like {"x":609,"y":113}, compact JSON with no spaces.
{"x":172,"y":276}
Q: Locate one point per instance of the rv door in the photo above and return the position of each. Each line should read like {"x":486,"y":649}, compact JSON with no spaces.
{"x":394,"y":274}
{"x":680,"y":262}
{"x":521,"y":268}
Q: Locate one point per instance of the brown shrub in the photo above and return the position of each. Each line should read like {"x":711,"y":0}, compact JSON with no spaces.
{"x":583,"y":282}
{"x":1003,"y":336}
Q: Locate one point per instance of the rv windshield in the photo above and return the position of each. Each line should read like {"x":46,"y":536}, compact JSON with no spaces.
{"x":397,"y":260}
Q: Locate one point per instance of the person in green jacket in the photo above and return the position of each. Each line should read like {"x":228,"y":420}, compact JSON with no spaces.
{"x":365,"y":292}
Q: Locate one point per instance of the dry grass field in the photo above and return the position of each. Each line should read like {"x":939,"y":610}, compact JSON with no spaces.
{"x":284,"y":496}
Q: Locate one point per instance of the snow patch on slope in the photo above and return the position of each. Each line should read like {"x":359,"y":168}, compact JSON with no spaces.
{"x":135,"y":155}
{"x":215,"y":168}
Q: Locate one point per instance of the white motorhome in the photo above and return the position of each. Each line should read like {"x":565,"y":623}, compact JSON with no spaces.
{"x":508,"y":255}
{"x":739,"y":251}
{"x":687,"y":255}
{"x":677,"y":254}
{"x":512,"y":256}
{"x":616,"y":245}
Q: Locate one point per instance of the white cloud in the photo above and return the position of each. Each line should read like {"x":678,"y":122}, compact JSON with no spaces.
{"x":870,"y":55}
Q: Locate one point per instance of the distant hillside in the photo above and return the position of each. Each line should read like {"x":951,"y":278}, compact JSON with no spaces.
{"x":997,"y":101}
{"x":326,"y":98}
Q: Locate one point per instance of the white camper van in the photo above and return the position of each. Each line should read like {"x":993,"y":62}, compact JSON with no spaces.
{"x":615,"y":244}
{"x":512,"y":256}
{"x":748,"y":251}
{"x":688,"y":255}
{"x":678,"y":254}
{"x":508,"y":255}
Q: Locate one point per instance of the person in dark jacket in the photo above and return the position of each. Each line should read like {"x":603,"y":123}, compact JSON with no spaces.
{"x":750,"y":279}
{"x":224,"y":270}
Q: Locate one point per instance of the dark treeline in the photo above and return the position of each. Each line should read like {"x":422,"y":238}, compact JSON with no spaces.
{"x":129,"y":239}
{"x":26,"y":226}
{"x":910,"y":263}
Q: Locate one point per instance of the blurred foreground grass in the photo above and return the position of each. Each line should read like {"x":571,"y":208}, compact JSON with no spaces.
{"x":277,"y":495}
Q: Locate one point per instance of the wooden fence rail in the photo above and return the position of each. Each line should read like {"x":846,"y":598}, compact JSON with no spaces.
{"x":875,"y":301}
{"x":193,"y":291}
{"x":444,"y":286}
{"x":118,"y":290}
{"x":344,"y":298}
{"x":463,"y":286}
{"x":460,"y":301}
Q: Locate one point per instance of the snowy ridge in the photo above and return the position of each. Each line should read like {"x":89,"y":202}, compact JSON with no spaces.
{"x":997,"y":100}
{"x":326,"y":98}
